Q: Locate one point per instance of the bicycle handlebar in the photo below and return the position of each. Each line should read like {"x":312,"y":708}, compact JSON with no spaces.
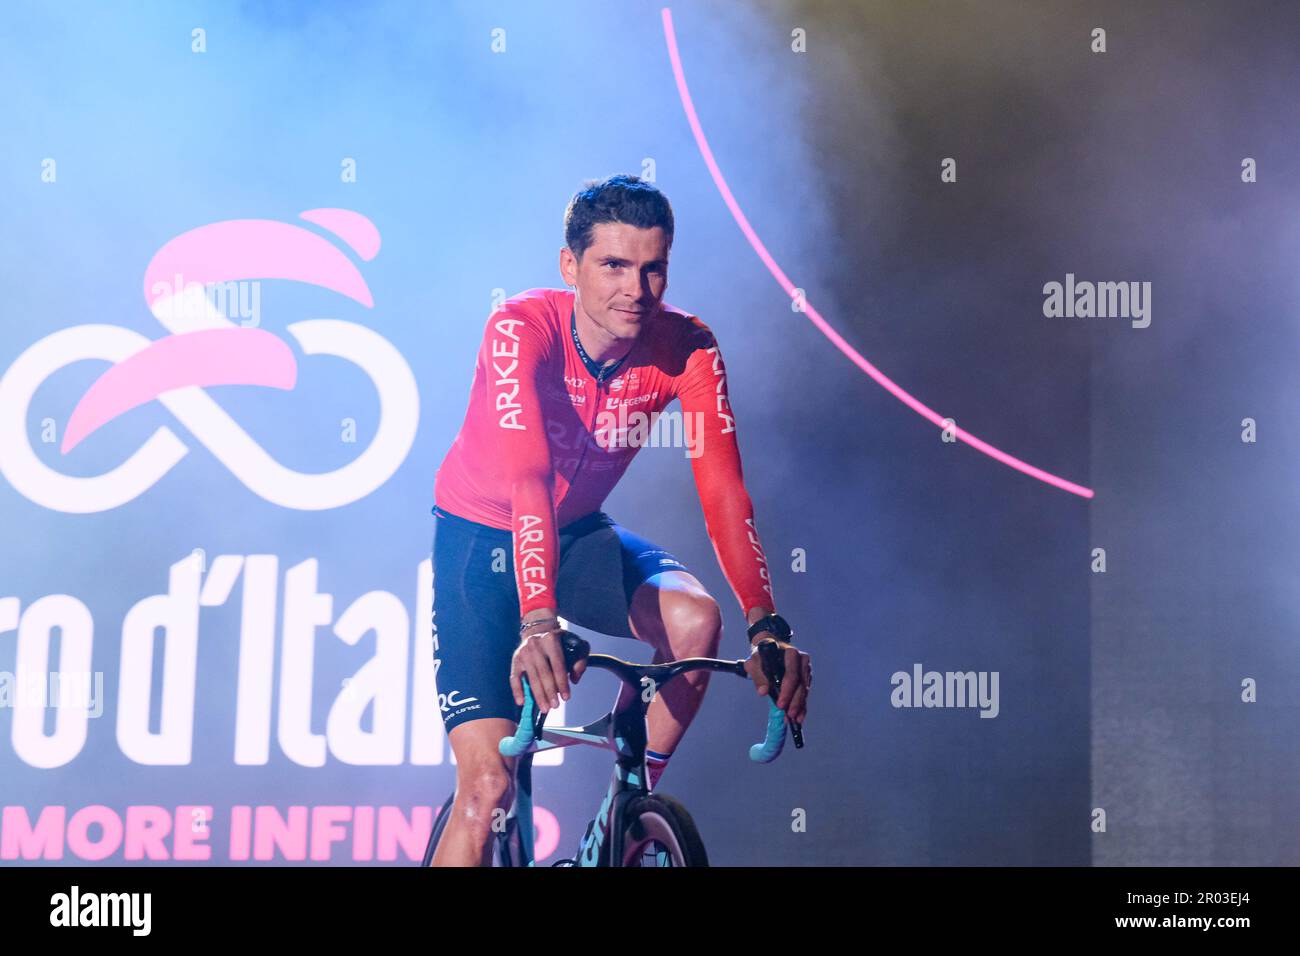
{"x":577,"y":649}
{"x":774,"y":743}
{"x":526,"y":733}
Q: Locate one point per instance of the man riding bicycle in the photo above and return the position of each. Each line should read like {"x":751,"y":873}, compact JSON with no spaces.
{"x":519,"y":535}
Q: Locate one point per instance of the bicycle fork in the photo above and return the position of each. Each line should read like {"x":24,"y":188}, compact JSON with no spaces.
{"x":521,"y":816}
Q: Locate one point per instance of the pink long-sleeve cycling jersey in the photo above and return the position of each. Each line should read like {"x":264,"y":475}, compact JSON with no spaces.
{"x":544,"y":440}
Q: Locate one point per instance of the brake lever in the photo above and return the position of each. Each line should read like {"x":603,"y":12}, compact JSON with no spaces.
{"x":774,"y":668}
{"x":575,"y":649}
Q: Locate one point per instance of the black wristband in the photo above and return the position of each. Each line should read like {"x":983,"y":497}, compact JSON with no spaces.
{"x":773,"y":624}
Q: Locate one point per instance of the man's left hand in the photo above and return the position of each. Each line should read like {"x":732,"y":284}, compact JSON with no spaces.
{"x":796,"y":683}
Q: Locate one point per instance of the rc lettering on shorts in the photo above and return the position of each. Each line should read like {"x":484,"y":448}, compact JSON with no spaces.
{"x":532,"y":564}
{"x":453,"y":699}
{"x":507,"y":400}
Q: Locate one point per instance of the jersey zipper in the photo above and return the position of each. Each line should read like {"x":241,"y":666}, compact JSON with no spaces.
{"x":587,"y":437}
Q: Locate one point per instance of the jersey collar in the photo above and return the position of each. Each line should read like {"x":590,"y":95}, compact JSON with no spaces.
{"x":598,"y":373}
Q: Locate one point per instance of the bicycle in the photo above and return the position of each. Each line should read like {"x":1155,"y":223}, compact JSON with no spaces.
{"x":643,"y":828}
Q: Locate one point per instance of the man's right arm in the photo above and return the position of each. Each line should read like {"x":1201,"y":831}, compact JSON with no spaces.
{"x":516,"y":356}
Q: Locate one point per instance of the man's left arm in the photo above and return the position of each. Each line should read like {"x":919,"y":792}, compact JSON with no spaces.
{"x":729,"y":512}
{"x":719,"y":478}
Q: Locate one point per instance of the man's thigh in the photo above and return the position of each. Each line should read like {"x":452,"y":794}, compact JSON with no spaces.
{"x":607,"y":571}
{"x":475,"y":622}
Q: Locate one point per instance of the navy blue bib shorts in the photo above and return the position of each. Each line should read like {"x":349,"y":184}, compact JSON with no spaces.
{"x":476,"y":602}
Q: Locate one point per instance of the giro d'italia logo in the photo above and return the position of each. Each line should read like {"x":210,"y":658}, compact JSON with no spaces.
{"x":204,"y":348}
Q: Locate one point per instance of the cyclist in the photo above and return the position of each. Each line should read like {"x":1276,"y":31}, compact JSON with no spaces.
{"x":519,"y":535}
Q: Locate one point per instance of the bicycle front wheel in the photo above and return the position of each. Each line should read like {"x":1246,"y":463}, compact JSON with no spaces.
{"x":657,"y":831}
{"x":438,"y":826}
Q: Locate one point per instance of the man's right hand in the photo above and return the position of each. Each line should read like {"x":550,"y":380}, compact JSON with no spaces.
{"x":541,"y":658}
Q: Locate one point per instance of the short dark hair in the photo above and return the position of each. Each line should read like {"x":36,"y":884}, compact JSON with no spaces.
{"x":621,"y":198}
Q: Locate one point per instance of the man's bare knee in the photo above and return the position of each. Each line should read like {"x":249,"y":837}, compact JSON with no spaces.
{"x":694,"y":626}
{"x":483,"y":795}
{"x":486,"y":785}
{"x":672,"y":612}
{"x":484,"y":779}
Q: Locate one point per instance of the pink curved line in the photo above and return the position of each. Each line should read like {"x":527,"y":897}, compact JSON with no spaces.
{"x":238,"y":356}
{"x":352,"y":227}
{"x":253,"y":249}
{"x":881,"y":379}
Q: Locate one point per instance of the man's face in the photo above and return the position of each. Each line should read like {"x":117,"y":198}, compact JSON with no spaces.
{"x":621,"y":277}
